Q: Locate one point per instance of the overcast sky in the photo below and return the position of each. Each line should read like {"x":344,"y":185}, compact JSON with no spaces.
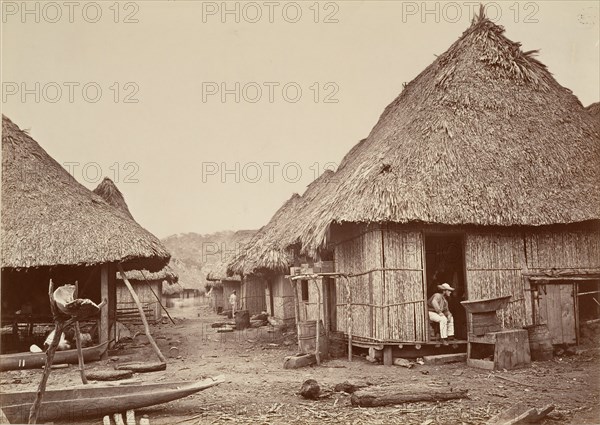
{"x":209,"y":124}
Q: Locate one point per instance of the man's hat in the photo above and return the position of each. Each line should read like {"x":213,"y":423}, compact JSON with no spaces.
{"x":446,"y":287}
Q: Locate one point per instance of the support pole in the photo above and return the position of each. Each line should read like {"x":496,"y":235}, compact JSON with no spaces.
{"x":349,"y":316}
{"x":142,"y":315}
{"x":296,"y":309}
{"x":104,"y":316}
{"x":318,"y":347}
{"x":58,"y":330}
{"x":157,"y":298}
{"x":78,"y":342}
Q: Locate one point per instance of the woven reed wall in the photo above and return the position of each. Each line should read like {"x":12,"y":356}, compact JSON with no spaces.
{"x":386,"y":304}
{"x":253,"y":295}
{"x":217,"y":299}
{"x":494,"y":261}
{"x":404,"y":290}
{"x":283,"y":299}
{"x":308,"y":309}
{"x":563,"y":249}
{"x":142,"y":289}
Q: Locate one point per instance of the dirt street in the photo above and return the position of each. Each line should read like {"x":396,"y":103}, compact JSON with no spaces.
{"x":259,"y":391}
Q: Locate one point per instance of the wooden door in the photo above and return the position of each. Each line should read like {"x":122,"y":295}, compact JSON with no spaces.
{"x":557,"y":310}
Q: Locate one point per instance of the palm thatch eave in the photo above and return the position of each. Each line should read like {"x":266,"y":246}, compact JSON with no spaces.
{"x":49,"y":219}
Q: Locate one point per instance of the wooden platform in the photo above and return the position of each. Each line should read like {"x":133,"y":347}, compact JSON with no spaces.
{"x":411,"y":349}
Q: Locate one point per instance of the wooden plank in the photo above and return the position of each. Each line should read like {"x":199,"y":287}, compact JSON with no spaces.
{"x":445,"y":358}
{"x":295,"y":362}
{"x":567,"y":313}
{"x":554,"y":314}
{"x":388,"y":359}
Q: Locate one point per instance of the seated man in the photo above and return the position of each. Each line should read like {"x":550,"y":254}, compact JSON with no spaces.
{"x":439,"y":312}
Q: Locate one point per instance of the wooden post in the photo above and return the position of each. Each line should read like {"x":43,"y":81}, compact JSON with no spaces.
{"x":104,"y":295}
{"x":318,"y":348}
{"x":349,"y":315}
{"x":157,"y":297}
{"x":142,"y":315}
{"x":58,"y":330}
{"x":296,"y":309}
{"x":78,"y":342}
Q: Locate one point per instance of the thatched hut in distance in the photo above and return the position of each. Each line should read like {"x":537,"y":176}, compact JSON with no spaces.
{"x":220,"y":287}
{"x":482,"y":173}
{"x":149,"y":289}
{"x":55,"y":228}
{"x":264,"y":261}
{"x":274,"y":249}
{"x":147,"y":285}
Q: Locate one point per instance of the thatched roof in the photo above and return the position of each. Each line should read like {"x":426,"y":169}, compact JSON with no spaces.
{"x":166,"y":273}
{"x":594,"y":110}
{"x":271,"y":248}
{"x":111,"y":194}
{"x":49,"y":219}
{"x":484,"y":136}
{"x":218,"y":272}
{"x":268,"y":248}
{"x":108,"y":191}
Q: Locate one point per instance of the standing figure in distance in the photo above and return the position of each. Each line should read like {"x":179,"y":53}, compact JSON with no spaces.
{"x":439,"y":312}
{"x":233,"y":302}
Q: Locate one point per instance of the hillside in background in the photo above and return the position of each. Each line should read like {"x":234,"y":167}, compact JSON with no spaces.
{"x":194,"y":255}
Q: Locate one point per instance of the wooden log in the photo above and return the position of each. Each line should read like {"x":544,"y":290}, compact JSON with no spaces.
{"x":141,"y":367}
{"x":295,"y":362}
{"x":445,"y":358}
{"x":390,"y":395}
{"x":109,"y":375}
{"x":350,"y":387}
{"x":142,"y":315}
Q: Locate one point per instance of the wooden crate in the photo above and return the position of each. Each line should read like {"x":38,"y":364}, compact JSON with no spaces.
{"x":508,"y":349}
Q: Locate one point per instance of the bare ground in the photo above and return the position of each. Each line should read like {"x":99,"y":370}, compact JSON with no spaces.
{"x":259,"y":391}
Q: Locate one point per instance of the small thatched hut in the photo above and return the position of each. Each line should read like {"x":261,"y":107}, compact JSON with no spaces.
{"x":265,"y":260}
{"x":55,"y":228}
{"x":148,"y":286}
{"x":274,"y":249}
{"x":482,"y":173}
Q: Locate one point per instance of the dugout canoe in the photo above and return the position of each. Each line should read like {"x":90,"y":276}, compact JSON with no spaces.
{"x":34,"y":360}
{"x":91,"y":400}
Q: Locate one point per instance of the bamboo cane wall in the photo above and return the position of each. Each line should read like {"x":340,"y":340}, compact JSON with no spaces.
{"x":388,"y":298}
{"x":253,"y":295}
{"x":144,"y":291}
{"x":560,"y":249}
{"x":495,"y":262}
{"x":308,"y":309}
{"x":493,"y":269}
{"x":283,"y":299}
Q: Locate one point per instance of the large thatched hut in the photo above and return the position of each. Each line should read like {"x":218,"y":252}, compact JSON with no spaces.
{"x":147,"y":285}
{"x":483,"y":173}
{"x":55,"y":228}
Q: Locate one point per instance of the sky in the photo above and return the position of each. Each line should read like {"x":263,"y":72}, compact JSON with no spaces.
{"x":210,"y":115}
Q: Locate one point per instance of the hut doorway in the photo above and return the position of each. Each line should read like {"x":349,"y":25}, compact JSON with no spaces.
{"x":444,"y":263}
